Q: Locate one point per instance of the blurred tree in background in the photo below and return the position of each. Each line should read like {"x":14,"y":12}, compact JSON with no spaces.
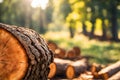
{"x":84,"y":16}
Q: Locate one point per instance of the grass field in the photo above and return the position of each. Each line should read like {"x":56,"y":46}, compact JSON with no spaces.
{"x":103,"y":52}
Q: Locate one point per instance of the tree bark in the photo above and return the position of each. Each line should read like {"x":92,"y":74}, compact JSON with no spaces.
{"x":60,"y":53}
{"x":114,"y":28}
{"x":84,"y":29}
{"x":70,"y":68}
{"x":110,"y":70}
{"x":115,"y":77}
{"x":72,"y":32}
{"x":61,"y":67}
{"x":24,"y":55}
{"x":80,"y":66}
{"x":104,"y":30}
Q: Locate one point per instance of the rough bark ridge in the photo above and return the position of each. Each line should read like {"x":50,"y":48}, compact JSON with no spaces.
{"x":37,"y":51}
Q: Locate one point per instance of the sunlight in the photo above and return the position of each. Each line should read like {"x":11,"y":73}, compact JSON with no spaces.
{"x":1,"y":1}
{"x":39,"y":3}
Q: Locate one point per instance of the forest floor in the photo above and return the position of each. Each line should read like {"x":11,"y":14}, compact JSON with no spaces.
{"x":102,"y":52}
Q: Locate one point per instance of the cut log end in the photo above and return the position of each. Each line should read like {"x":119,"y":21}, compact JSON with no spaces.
{"x":53,"y":70}
{"x":13,"y":58}
{"x":70,"y":72}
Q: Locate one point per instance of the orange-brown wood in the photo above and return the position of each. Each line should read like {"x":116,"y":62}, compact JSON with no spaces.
{"x":116,"y":76}
{"x":13,"y":58}
{"x":52,"y":46}
{"x":110,"y":70}
{"x":60,"y":52}
{"x":70,"y":72}
{"x":77,"y":50}
{"x":70,"y":54}
{"x":53,"y":69}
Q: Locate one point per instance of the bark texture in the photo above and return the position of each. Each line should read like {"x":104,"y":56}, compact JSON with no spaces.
{"x":37,"y":52}
{"x":110,"y":70}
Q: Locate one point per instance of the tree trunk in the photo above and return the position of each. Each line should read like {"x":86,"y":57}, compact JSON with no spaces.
{"x":24,"y":55}
{"x":114,"y":28}
{"x":84,"y":29}
{"x":103,"y":30}
{"x":92,"y":29}
{"x":72,"y":32}
{"x":42,"y":21}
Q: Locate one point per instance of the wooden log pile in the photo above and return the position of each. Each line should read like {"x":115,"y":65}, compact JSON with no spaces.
{"x":70,"y":64}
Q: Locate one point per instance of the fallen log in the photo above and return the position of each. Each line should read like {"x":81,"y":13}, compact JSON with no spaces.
{"x":80,"y":66}
{"x":60,"y":53}
{"x":70,"y":54}
{"x":61,"y":68}
{"x":24,"y":55}
{"x":64,"y":68}
{"x":110,"y":70}
{"x":53,"y":69}
{"x":77,"y":50}
{"x":95,"y":68}
{"x":115,"y":76}
{"x":53,"y":46}
{"x":73,"y":54}
{"x":67,"y":68}
{"x":85,"y":76}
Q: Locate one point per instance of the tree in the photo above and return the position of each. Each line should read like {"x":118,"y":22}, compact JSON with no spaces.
{"x":113,"y":19}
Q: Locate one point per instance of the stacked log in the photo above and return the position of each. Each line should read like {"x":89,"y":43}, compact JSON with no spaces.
{"x":67,"y":68}
{"x":110,"y":70}
{"x":77,"y":50}
{"x":62,"y":67}
{"x":53,"y":46}
{"x":115,"y":77}
{"x":80,"y":66}
{"x":24,"y":55}
{"x":70,"y":54}
{"x":95,"y":68}
{"x":60,"y":53}
{"x":73,"y":53}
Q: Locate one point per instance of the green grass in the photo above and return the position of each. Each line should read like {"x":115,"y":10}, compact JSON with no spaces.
{"x":102,"y":52}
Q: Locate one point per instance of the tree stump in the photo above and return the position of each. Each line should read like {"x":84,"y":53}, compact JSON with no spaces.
{"x":24,"y":55}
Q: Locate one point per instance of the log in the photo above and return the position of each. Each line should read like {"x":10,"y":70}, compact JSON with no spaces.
{"x":115,"y":76}
{"x":85,"y":76}
{"x":24,"y":54}
{"x":61,"y":68}
{"x":53,"y":69}
{"x":64,"y":68}
{"x":77,"y":50}
{"x":95,"y":68}
{"x":73,"y":54}
{"x":68,"y":68}
{"x":80,"y":66}
{"x":110,"y":70}
{"x":70,"y":54}
{"x":60,"y":53}
{"x":53,"y":46}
